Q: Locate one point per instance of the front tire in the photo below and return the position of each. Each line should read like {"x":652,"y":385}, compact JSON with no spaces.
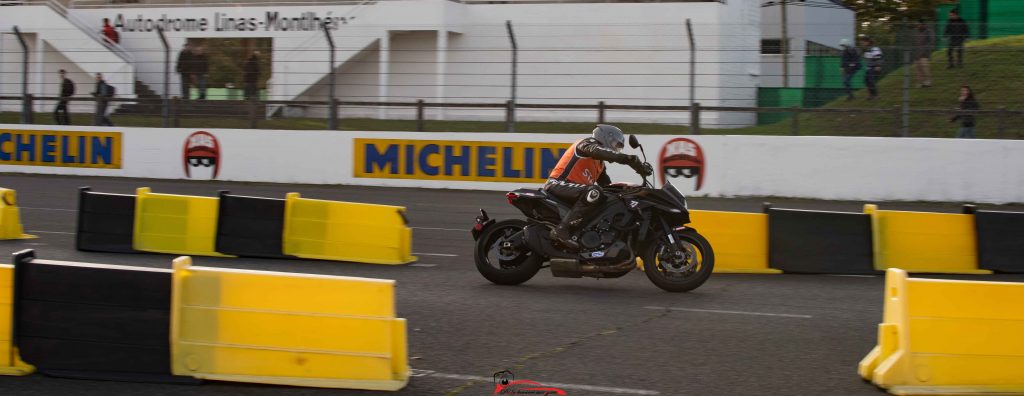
{"x":501,"y":256}
{"x":681,"y":267}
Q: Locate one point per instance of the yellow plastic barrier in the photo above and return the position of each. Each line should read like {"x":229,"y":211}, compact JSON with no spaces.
{"x":176,"y":224}
{"x":10,"y":364}
{"x":286,"y":329}
{"x":10,"y":218}
{"x":948,"y":337}
{"x":924,"y":242}
{"x":740,"y":240}
{"x":346,"y":231}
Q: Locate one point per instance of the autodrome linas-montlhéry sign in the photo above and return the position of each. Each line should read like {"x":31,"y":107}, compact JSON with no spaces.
{"x":223,"y":22}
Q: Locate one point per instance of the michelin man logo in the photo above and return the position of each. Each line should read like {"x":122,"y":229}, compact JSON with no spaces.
{"x":202,"y":156}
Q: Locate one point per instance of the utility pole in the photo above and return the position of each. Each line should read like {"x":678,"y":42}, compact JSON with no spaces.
{"x":165,"y":111}
{"x":785,"y":45}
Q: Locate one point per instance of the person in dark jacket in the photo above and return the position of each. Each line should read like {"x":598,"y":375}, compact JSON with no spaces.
{"x":580,"y":173}
{"x":957,"y":32}
{"x":967,"y":103}
{"x":850,"y":64}
{"x":67,"y":90}
{"x":102,"y":93}
{"x":924,"y":44}
{"x":184,"y":69}
{"x":251,"y":76}
{"x":201,"y":67}
{"x":873,"y":57}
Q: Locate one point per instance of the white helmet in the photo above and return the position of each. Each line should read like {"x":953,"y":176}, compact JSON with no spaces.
{"x":610,"y":137}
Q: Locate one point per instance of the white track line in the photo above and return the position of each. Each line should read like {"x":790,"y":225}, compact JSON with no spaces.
{"x":424,"y":265}
{"x":55,"y":209}
{"x":579,"y":387}
{"x":435,"y":254}
{"x":732,"y":312}
{"x":441,"y":229}
{"x":51,"y":232}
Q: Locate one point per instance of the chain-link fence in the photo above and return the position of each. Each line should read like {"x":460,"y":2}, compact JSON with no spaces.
{"x":533,"y":77}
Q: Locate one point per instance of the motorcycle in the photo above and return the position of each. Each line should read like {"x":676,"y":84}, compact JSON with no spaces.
{"x":634,"y":222}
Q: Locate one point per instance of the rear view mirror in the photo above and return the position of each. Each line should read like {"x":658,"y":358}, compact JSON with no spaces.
{"x":633,"y":142}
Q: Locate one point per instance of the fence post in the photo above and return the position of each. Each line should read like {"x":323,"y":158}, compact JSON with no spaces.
{"x":332,"y":112}
{"x":510,"y":116}
{"x":600,"y":112}
{"x":419,"y":116}
{"x":26,"y":102}
{"x":334,"y":115}
{"x":175,"y":111}
{"x":166,"y":111}
{"x":794,"y":127}
{"x":1000,"y":122}
{"x":695,"y":118}
{"x":252,"y":113}
{"x":898,"y":110}
{"x":29,"y":103}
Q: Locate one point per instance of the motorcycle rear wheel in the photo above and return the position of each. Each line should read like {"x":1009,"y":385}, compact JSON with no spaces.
{"x":681,"y":267}
{"x":508,"y":265}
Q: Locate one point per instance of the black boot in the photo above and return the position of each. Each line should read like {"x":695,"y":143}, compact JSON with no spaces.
{"x":563,"y":233}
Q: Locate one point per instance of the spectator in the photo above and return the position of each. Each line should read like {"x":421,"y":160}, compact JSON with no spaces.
{"x":201,"y":67}
{"x":110,"y":33}
{"x":924,"y":44}
{"x":967,"y":103}
{"x":67,"y":89}
{"x":251,"y":76}
{"x":957,"y":32}
{"x":873,"y":57}
{"x":103,"y":93}
{"x":184,"y":69}
{"x":850,"y":65}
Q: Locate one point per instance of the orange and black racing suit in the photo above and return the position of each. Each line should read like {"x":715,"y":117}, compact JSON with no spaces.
{"x":581,"y":172}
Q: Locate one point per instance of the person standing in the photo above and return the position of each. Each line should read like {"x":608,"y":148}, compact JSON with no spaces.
{"x":924,"y":44}
{"x":251,"y":76}
{"x":184,"y":69}
{"x":201,"y":67}
{"x":957,"y":32}
{"x":110,"y":33}
{"x":967,"y":103}
{"x":67,"y":90}
{"x":850,"y":64}
{"x":873,"y":57}
{"x":102,"y":93}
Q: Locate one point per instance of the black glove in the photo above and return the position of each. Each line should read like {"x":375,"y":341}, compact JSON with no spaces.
{"x":639,"y":166}
{"x":648,"y":170}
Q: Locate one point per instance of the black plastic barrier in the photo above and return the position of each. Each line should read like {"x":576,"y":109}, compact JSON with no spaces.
{"x":815,"y":242}
{"x":250,"y":226}
{"x":105,"y":222}
{"x":93,"y":321}
{"x":1000,"y":240}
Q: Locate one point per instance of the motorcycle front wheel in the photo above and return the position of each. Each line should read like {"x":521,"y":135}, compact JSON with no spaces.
{"x":682,"y":266}
{"x":501,"y":256}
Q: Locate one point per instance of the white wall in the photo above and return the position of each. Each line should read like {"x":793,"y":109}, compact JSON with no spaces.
{"x":846,"y":168}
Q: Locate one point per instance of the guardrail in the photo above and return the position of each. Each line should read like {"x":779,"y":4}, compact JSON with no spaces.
{"x":1002,"y":116}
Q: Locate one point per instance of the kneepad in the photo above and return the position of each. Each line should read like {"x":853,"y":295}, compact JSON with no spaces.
{"x":593,"y":195}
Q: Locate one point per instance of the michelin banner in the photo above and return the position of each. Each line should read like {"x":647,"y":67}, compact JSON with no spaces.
{"x":841,"y":168}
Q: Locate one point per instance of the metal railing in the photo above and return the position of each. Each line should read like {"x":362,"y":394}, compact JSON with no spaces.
{"x":254,"y":114}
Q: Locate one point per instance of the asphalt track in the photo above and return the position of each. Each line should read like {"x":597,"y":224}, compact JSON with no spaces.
{"x":737,"y":334}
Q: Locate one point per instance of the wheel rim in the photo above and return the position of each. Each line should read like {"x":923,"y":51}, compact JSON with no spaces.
{"x":680,"y":261}
{"x":503,"y":254}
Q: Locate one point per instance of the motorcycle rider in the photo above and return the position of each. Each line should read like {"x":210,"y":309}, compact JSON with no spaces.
{"x":580,"y":173}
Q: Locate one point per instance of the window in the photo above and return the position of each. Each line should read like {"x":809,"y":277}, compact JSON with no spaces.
{"x":774,"y":46}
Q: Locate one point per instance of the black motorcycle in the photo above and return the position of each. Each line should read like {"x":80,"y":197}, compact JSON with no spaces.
{"x":635,"y":221}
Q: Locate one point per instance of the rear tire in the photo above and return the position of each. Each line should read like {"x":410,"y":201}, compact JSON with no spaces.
{"x":515,"y":265}
{"x":682,"y":267}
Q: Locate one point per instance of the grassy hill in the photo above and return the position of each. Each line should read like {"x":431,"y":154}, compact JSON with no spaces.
{"x":993,"y":68}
